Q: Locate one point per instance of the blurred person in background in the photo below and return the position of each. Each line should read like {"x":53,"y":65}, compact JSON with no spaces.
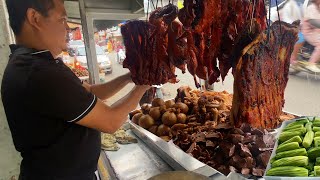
{"x":311,"y":32}
{"x":289,"y":11}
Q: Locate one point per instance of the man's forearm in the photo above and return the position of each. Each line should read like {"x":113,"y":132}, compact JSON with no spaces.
{"x":106,"y":90}
{"x":110,"y":118}
{"x":130,"y":101}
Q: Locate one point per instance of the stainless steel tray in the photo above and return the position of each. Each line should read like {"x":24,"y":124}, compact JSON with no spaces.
{"x":284,"y":124}
{"x":178,"y":159}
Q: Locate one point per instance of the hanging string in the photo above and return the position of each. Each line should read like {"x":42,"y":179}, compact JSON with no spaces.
{"x":157,"y":4}
{"x":153,"y":4}
{"x":269,"y":20}
{"x":278,"y":16}
{"x":148,"y":11}
{"x":253,"y":11}
{"x":146,"y":27}
{"x":265,"y":12}
{"x":248,"y":11}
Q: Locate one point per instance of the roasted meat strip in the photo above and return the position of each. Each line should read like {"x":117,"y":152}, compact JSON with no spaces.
{"x":214,"y":26}
{"x":235,"y":16}
{"x":261,"y":76}
{"x":136,"y":35}
{"x":177,"y":46}
{"x":197,"y":18}
{"x":147,"y":46}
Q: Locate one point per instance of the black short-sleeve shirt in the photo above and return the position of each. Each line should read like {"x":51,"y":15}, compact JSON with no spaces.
{"x":43,"y":99}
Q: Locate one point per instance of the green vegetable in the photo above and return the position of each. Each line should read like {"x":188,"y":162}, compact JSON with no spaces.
{"x":289,"y":134}
{"x":290,"y":171}
{"x":316,"y":143}
{"x":310,"y":166}
{"x":293,"y":139}
{"x":316,"y":119}
{"x":301,"y":161}
{"x":316,"y":139}
{"x":299,"y":121}
{"x":316,"y":124}
{"x":308,"y":126}
{"x":318,"y":161}
{"x":311,"y":174}
{"x":291,"y":153}
{"x":303,"y":120}
{"x":317,"y":170}
{"x":308,"y":138}
{"x":317,"y":134}
{"x":313,"y":153}
{"x":288,"y":128}
{"x":303,"y":130}
{"x":316,"y":129}
{"x":288,"y":147}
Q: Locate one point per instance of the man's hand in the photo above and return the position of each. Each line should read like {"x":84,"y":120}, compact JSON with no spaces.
{"x":143,"y":87}
{"x":107,"y":90}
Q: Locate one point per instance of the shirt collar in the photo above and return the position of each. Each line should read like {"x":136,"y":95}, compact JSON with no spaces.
{"x":21,"y":50}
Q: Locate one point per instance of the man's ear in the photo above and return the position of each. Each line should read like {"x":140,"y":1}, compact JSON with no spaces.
{"x":34,"y":18}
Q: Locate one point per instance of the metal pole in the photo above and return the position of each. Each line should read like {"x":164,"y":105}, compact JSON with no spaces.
{"x":90,"y":46}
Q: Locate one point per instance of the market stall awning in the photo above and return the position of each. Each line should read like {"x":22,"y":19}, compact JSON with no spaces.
{"x":130,"y":8}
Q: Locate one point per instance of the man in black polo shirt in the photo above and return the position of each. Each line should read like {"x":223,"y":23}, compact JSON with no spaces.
{"x":55,"y":120}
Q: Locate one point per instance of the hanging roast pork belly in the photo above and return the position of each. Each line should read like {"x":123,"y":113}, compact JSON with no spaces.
{"x":261,"y":76}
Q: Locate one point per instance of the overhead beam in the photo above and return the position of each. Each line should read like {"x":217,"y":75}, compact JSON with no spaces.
{"x":111,"y":14}
{"x":136,"y":11}
{"x":76,"y":21}
{"x":137,"y":6}
{"x":72,"y":9}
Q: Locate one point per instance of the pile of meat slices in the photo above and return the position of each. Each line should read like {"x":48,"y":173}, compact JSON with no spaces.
{"x":197,"y":35}
{"x":244,"y":150}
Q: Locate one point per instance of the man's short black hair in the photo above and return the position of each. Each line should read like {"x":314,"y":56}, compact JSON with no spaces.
{"x":17,"y":10}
